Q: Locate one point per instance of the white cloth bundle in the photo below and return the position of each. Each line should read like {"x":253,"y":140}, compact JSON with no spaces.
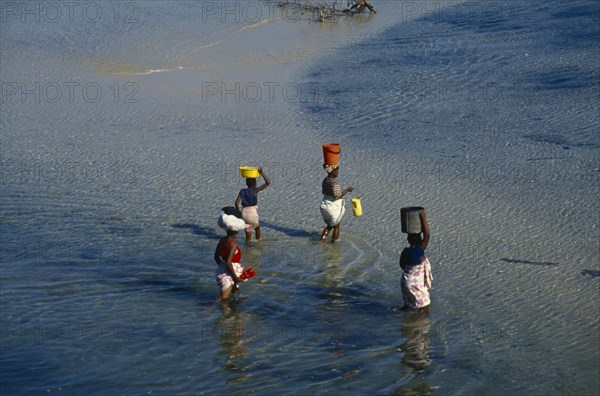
{"x":332,"y":210}
{"x":231,"y":222}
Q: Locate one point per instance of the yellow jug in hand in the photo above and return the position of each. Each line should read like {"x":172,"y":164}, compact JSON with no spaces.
{"x":357,"y":207}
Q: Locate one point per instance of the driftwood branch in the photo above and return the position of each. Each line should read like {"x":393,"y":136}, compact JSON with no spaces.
{"x":326,"y":11}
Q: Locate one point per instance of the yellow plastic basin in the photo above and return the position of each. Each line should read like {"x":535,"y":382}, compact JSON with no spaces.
{"x":249,"y":172}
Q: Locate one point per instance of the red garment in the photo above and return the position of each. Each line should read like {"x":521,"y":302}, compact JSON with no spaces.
{"x":237,"y":256}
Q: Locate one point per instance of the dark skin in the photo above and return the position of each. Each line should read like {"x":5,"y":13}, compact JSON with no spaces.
{"x":415,"y":239}
{"x":425,"y":240}
{"x":251,"y":183}
{"x":231,"y":249}
{"x":336,"y":229}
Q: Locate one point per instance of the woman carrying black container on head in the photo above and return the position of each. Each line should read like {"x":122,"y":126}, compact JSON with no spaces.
{"x":416,"y":276}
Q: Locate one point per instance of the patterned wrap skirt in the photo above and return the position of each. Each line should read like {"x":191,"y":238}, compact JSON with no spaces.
{"x":223,"y":276}
{"x":415,"y":285}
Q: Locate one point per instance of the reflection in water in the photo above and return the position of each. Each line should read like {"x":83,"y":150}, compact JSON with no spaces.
{"x":333,"y":272}
{"x":332,"y":312}
{"x":232,"y":336}
{"x":420,"y":388}
{"x":415,"y":328}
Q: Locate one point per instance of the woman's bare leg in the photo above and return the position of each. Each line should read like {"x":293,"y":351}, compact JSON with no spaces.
{"x":325,"y":233}
{"x":336,"y":233}
{"x":225,"y":293}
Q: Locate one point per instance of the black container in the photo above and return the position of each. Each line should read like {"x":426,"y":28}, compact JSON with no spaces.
{"x":411,"y":221}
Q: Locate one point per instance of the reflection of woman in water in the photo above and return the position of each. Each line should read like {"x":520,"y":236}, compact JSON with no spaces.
{"x":415,"y":329}
{"x":231,"y":334}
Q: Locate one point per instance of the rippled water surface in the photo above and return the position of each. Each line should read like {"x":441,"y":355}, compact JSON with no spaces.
{"x":121,"y":137}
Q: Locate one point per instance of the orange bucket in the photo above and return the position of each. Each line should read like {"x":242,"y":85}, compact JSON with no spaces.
{"x":331,"y":153}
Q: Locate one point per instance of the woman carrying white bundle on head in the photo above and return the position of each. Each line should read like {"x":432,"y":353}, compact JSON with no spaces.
{"x":228,"y":253}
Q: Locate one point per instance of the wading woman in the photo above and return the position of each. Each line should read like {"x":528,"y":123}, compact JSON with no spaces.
{"x":228,"y":254}
{"x":416,"y":275}
{"x":332,"y":205}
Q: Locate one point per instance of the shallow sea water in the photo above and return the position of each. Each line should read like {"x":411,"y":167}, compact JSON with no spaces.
{"x":486,"y":114}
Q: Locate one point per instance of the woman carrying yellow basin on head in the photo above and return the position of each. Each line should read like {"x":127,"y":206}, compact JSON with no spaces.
{"x":248,"y":199}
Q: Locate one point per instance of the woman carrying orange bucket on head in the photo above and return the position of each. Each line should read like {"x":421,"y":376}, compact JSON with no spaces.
{"x":332,"y":206}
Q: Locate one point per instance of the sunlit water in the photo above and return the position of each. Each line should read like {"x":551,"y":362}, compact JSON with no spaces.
{"x":121,"y":137}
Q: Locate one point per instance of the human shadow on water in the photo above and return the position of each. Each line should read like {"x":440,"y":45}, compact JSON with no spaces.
{"x":542,"y":263}
{"x":293,"y":232}
{"x":187,"y":289}
{"x":198,"y":230}
{"x":592,"y":273}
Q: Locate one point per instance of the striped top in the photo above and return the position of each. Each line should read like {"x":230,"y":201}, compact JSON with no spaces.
{"x":331,"y":187}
